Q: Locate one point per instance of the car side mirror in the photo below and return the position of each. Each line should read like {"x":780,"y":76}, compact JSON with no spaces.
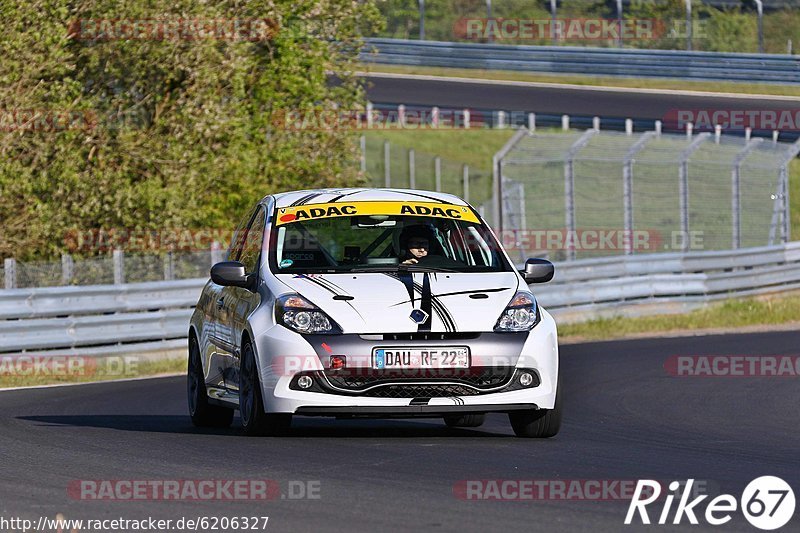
{"x":230,"y":274}
{"x":538,"y":271}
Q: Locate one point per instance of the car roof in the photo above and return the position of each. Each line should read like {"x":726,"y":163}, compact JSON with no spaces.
{"x":362,"y":194}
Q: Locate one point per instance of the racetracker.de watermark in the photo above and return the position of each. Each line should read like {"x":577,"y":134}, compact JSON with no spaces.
{"x":46,"y":120}
{"x":573,"y":29}
{"x":135,"y":240}
{"x":560,"y":489}
{"x":30,"y":365}
{"x":173,"y":29}
{"x":733,"y":119}
{"x":733,"y":366}
{"x":193,"y":489}
{"x":376,"y":119}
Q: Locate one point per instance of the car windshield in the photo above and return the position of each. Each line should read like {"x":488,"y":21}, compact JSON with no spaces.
{"x":376,"y":237}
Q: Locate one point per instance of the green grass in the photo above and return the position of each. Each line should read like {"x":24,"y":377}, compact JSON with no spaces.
{"x":730,"y":315}
{"x":99,"y":369}
{"x":577,"y":79}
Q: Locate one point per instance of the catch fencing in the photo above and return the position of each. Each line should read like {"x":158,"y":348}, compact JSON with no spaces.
{"x":651,"y":191}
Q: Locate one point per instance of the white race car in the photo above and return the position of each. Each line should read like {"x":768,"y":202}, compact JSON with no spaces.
{"x":371,"y":303}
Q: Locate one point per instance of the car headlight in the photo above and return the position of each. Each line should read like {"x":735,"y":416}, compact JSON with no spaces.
{"x":520,"y":315}
{"x":300,"y":315}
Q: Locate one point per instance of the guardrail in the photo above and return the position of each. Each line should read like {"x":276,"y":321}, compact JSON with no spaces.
{"x":133,"y":317}
{"x":707,"y":66}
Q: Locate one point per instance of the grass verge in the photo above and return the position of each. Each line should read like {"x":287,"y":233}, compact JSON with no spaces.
{"x":577,"y":79}
{"x":728,"y":315}
{"x":39,"y":370}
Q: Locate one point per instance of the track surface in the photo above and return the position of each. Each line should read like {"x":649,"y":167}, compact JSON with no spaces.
{"x":625,"y":419}
{"x":555,"y":100}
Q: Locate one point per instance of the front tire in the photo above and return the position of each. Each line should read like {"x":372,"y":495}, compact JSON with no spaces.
{"x":538,"y":423}
{"x":203,"y":414}
{"x":255,"y":420}
{"x":472,"y":420}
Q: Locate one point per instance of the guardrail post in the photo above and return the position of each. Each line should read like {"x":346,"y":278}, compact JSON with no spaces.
{"x":437,"y":172}
{"x":466,"y":119}
{"x":363,"y":144}
{"x":401,"y":116}
{"x":596,"y":123}
{"x":565,"y":122}
{"x":119,"y":267}
{"x":169,"y":266}
{"x":717,"y":133}
{"x":501,"y":120}
{"x":10,"y":269}
{"x":67,"y":269}
{"x":412,"y":170}
{"x":465,"y":179}
{"x":658,"y":127}
{"x":532,"y":122}
{"x":435,"y":117}
{"x":387,"y":165}
{"x":628,"y":126}
{"x":369,"y":114}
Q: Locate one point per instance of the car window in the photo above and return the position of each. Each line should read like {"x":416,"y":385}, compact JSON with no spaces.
{"x":254,"y":237}
{"x":237,"y":240}
{"x":341,"y":242}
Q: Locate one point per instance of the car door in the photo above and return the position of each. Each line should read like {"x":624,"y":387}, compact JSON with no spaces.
{"x":240,"y":302}
{"x":221,"y":349}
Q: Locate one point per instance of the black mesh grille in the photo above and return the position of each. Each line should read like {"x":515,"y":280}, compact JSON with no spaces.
{"x":400,"y":384}
{"x":420,"y":391}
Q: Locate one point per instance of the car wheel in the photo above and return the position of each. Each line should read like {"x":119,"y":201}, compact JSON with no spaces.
{"x":255,"y":420}
{"x":203,"y":414}
{"x":538,"y":423}
{"x":471,"y":420}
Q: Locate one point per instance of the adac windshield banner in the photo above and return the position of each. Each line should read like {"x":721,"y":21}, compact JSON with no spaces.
{"x":303,"y":213}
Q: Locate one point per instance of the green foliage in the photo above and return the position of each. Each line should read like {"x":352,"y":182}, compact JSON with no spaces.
{"x":172,"y":133}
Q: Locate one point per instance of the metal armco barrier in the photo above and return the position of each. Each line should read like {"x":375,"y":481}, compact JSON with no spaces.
{"x":141,"y":316}
{"x":709,"y":66}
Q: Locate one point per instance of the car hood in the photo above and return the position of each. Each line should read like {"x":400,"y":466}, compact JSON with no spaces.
{"x":371,"y":303}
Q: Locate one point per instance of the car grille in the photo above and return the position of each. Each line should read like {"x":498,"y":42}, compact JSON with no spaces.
{"x":421,"y":383}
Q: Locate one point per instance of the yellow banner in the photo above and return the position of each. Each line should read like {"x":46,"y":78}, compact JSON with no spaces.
{"x":301,"y":213}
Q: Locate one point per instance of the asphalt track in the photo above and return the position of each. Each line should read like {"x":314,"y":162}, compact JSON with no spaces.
{"x":608,"y":102}
{"x":626,"y":418}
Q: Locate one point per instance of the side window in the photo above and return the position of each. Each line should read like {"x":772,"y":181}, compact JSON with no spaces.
{"x":251,"y":250}
{"x":237,"y":240}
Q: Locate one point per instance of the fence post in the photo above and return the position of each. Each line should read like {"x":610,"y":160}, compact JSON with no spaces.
{"x":363,"y":143}
{"x":387,"y":170}
{"x":169,"y":267}
{"x":787,"y":216}
{"x":683,"y":186}
{"x":627,"y":188}
{"x":437,"y":172}
{"x":119,"y":267}
{"x":10,"y":268}
{"x":736,"y":192}
{"x":67,"y":269}
{"x":412,"y":170}
{"x":688,"y":24}
{"x":569,"y":188}
{"x":465,"y":178}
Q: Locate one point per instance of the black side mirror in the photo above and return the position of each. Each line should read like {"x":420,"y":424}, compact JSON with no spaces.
{"x":230,"y":274}
{"x":538,"y":271}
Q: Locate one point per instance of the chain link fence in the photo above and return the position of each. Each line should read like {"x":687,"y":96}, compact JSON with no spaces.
{"x":589,"y":194}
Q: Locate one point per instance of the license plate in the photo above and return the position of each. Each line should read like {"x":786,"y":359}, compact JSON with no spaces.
{"x":438,"y":357}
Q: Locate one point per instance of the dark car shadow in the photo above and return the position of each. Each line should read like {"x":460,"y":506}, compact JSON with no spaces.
{"x":301,"y":427}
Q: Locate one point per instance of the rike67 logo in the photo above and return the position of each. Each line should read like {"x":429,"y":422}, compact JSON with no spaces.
{"x":767,"y":503}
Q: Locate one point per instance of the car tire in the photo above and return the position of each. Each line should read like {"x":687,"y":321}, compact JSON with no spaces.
{"x":538,"y":423}
{"x":472,"y":420}
{"x":202,"y":412}
{"x":255,"y":420}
